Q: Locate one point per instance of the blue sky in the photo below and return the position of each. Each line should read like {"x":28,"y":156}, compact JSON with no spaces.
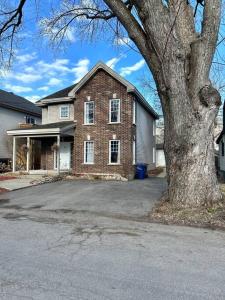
{"x":38,"y":70}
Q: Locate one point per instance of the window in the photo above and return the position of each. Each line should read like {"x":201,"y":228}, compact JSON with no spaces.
{"x":89,"y":112}
{"x":222,"y":148}
{"x":134,"y":111}
{"x":114,"y":110}
{"x":30,"y":120}
{"x":64,"y":112}
{"x":88,"y":152}
{"x":114,"y":152}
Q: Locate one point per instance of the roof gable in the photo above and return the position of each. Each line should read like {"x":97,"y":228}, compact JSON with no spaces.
{"x":69,"y":93}
{"x":102,"y":66}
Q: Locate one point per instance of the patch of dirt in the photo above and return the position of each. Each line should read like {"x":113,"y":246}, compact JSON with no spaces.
{"x":156,"y":171}
{"x":2,"y":190}
{"x":207,"y":217}
{"x":3,"y":178}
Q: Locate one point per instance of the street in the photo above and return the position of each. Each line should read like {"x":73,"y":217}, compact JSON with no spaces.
{"x":74,"y":255}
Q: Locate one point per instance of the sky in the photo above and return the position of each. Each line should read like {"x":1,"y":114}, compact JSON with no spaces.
{"x":38,"y":70}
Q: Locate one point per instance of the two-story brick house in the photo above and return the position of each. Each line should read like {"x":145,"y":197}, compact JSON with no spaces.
{"x":99,"y":126}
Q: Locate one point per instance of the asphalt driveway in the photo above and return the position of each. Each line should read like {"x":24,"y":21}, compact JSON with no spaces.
{"x":111,"y":198}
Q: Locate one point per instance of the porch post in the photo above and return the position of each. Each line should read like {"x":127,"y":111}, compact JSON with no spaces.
{"x":28,"y":154}
{"x":58,"y":154}
{"x":14,"y":155}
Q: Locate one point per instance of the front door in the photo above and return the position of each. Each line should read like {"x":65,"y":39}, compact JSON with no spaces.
{"x":65,"y":155}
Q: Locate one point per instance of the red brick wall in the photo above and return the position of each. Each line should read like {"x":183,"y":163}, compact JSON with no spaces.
{"x":100,"y":88}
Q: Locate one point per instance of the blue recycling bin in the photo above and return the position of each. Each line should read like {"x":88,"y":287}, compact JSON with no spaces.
{"x":141,"y":171}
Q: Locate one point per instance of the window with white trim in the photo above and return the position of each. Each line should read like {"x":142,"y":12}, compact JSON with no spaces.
{"x":114,"y":110}
{"x":89,"y":112}
{"x":30,"y":120}
{"x":88,"y":152}
{"x":64,"y":112}
{"x":114,"y":152}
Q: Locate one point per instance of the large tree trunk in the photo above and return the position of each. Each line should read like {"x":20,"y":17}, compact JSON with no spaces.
{"x":190,"y":159}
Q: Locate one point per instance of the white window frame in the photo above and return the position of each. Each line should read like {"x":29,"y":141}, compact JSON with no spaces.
{"x":85,"y":149}
{"x":85,"y":110}
{"x":117,"y":163}
{"x":30,"y":118}
{"x":134,"y":112}
{"x":60,"y":111}
{"x":110,"y":105}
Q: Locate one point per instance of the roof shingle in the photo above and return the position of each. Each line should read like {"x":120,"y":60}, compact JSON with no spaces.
{"x":15,"y":102}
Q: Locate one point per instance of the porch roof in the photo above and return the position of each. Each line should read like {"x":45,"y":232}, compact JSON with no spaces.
{"x":44,"y":129}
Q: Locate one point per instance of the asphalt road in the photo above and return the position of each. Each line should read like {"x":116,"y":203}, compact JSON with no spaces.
{"x":56,"y":254}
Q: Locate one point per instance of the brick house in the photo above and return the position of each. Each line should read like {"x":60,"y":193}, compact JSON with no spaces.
{"x":100,"y":126}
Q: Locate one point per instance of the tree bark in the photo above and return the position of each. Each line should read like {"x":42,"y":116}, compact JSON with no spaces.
{"x":190,"y":158}
{"x":180,"y":59}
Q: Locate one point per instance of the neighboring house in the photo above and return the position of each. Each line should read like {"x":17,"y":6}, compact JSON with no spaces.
{"x":160,"y":156}
{"x":14,"y":112}
{"x":99,"y":126}
{"x":221,"y":141}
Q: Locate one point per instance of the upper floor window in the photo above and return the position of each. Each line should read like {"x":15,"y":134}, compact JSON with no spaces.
{"x":88,"y":152}
{"x":30,"y":120}
{"x":114,"y":110}
{"x":114,"y":152}
{"x":64,"y":112}
{"x":89,"y":112}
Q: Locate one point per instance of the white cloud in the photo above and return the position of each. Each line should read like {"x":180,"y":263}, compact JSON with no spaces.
{"x":57,"y":65}
{"x":125,"y":41}
{"x":26,"y":57}
{"x":34,"y":98}
{"x":80,"y":69}
{"x":24,"y":77}
{"x":54,"y":81}
{"x":43,"y":88}
{"x":17,"y":88}
{"x":128,"y":70}
{"x":112,"y":62}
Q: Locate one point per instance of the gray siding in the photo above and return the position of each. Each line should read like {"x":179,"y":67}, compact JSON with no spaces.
{"x":145,"y":140}
{"x":9,"y":119}
{"x":50,"y":114}
{"x":221,"y":158}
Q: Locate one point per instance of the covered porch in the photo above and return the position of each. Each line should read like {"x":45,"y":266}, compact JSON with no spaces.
{"x":43,"y":149}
